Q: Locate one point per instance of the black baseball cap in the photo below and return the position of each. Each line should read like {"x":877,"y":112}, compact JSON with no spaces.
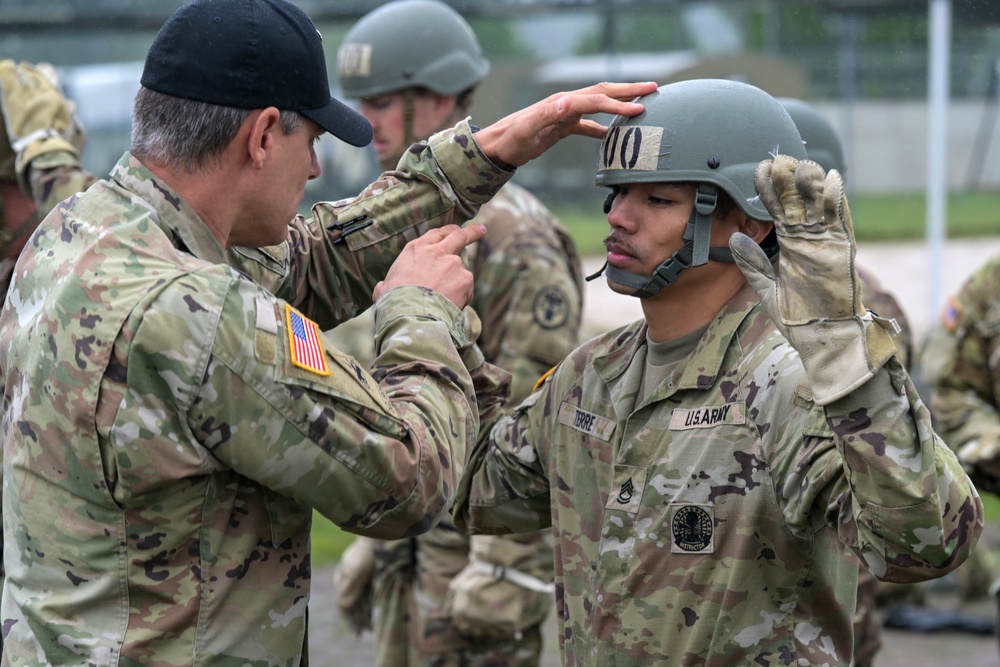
{"x":250,"y":54}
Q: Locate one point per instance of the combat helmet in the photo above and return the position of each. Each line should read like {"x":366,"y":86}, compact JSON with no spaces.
{"x":410,"y":44}
{"x":822,"y":141}
{"x":712,"y":132}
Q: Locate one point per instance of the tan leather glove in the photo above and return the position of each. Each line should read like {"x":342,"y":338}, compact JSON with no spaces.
{"x":38,"y":116}
{"x":815,"y":296}
{"x":490,"y":599}
{"x":354,"y":578}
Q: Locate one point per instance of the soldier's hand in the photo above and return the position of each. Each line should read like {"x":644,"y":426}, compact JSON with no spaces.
{"x":524,"y":135}
{"x":39,"y":119}
{"x":432,"y":261}
{"x":815,"y":296}
{"x":981,"y":459}
{"x":354,"y":578}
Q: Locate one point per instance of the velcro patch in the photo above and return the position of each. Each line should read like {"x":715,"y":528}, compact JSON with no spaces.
{"x":683,"y":419}
{"x":635,"y":148}
{"x":265,"y":335}
{"x":626,"y":492}
{"x":304,"y":342}
{"x":588,"y":422}
{"x":354,"y":60}
{"x":266,"y":318}
{"x":692,"y":529}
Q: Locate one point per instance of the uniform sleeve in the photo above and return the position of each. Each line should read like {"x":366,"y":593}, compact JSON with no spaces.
{"x":961,"y":363}
{"x":291,"y":413}
{"x":333,"y":260}
{"x":56,"y":176}
{"x":506,"y":486}
{"x":872,"y":464}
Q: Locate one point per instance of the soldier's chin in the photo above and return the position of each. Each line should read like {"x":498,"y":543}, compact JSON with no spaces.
{"x":619,"y":288}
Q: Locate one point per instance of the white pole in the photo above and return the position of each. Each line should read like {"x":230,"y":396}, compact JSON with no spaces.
{"x":937,"y":145}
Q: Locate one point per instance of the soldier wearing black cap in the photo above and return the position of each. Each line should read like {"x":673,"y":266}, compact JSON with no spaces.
{"x":170,"y":425}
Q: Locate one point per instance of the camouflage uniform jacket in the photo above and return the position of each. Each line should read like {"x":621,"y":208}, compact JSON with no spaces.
{"x":704,"y":525}
{"x":169,"y":426}
{"x":961,"y":362}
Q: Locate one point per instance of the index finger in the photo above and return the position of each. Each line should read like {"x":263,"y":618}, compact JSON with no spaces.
{"x":461,"y":237}
{"x":580,"y":103}
{"x":619,"y":91}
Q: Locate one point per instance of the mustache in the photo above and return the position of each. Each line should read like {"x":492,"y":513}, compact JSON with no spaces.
{"x":613,"y":243}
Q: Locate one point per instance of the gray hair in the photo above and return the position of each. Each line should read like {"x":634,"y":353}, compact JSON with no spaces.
{"x":185,"y":134}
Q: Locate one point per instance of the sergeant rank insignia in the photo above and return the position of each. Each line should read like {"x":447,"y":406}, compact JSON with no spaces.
{"x":304,"y":342}
{"x":692,"y":527}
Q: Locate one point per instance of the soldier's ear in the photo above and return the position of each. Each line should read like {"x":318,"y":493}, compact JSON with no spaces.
{"x":756,"y":229}
{"x":260,"y":127}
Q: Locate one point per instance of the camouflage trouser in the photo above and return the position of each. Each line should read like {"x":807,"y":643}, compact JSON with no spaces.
{"x":411,"y":624}
{"x":395,"y":565}
{"x":867,"y":624}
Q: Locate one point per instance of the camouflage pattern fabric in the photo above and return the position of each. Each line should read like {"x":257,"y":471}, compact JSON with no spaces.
{"x":529,"y":297}
{"x":961,"y":362}
{"x":167,"y":435}
{"x":706,"y":524}
{"x":867,"y":622}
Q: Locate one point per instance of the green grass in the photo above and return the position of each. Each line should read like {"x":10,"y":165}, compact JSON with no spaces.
{"x":991,"y":507}
{"x":876,"y":218}
{"x":899,"y":217}
{"x":328,"y":541}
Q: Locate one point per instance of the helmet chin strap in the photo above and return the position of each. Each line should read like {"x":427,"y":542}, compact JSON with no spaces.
{"x":695,"y":251}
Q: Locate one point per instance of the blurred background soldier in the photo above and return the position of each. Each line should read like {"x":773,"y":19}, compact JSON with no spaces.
{"x":823,"y":145}
{"x":961,"y":362}
{"x":443,"y":599}
{"x":41,"y":140}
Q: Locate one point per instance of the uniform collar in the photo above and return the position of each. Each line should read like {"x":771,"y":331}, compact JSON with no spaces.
{"x":706,"y":363}
{"x":703,"y":367}
{"x":186,"y":231}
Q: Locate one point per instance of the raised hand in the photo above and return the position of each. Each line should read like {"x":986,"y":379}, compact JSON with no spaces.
{"x":39,"y":118}
{"x":524,"y":135}
{"x":814,"y":297}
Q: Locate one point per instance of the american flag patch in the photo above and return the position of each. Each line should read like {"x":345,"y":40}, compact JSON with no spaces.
{"x":951,"y":313}
{"x":304,"y":342}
